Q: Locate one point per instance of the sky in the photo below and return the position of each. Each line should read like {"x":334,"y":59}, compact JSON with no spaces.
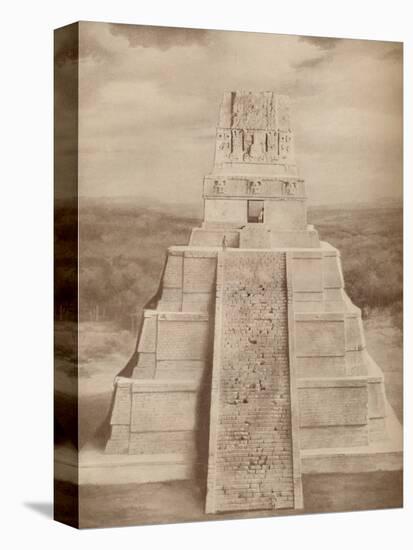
{"x":149,"y":100}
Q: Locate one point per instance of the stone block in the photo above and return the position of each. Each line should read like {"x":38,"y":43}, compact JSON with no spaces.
{"x":354,"y":333}
{"x":183,"y":443}
{"x":182,"y":340}
{"x":308,"y":367}
{"x":255,"y":236}
{"x":309,"y":307}
{"x":147,"y":340}
{"x":307,"y":274}
{"x":356,"y":362}
{"x":169,"y":306}
{"x":199,"y":274}
{"x":122,"y":405}
{"x":120,"y":432}
{"x":303,"y":296}
{"x":180,"y":370}
{"x":204,"y":237}
{"x":333,"y":275}
{"x":117,"y":447}
{"x":200,"y":301}
{"x":335,"y":402}
{"x":377,"y":430}
{"x":163,"y":409}
{"x":377,"y":401}
{"x":334,"y":307}
{"x":170,"y":296}
{"x":226,"y":210}
{"x":319,"y":334}
{"x":333,"y":436}
{"x":173,"y":272}
{"x":285,"y":214}
{"x":145,"y":367}
{"x":333,"y":295}
{"x":183,"y":317}
{"x":348,"y":462}
{"x":118,"y":442}
{"x":200,"y":252}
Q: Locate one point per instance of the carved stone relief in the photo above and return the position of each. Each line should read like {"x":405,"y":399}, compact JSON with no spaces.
{"x":219,"y":187}
{"x":238,"y":145}
{"x":254,"y":187}
{"x":289,"y":188}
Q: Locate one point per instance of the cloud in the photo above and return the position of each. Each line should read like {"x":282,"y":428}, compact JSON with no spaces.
{"x":90,"y":45}
{"x":161,"y":38}
{"x":322,"y":43}
{"x":78,"y":41}
{"x":394,"y":53}
{"x":309,"y":63}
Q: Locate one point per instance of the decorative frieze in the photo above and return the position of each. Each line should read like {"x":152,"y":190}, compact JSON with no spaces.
{"x":254,"y":146}
{"x":289,"y":188}
{"x":238,"y":186}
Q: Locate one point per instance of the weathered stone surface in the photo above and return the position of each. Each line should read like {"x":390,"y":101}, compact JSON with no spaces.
{"x":317,"y":335}
{"x":321,"y":367}
{"x":377,"y":430}
{"x":255,"y":128}
{"x":146,"y":366}
{"x":377,"y":400}
{"x":147,"y":341}
{"x":163,"y":411}
{"x":180,"y":370}
{"x":333,"y":405}
{"x":198,"y":301}
{"x":333,"y":276}
{"x":199,"y":274}
{"x":354,"y":332}
{"x":122,"y":407}
{"x":326,"y":437}
{"x":119,"y":439}
{"x":183,"y":442}
{"x":173,"y":272}
{"x":205,"y":237}
{"x":233,"y":212}
{"x":307,"y":272}
{"x":285,"y":215}
{"x":251,"y":450}
{"x":182,"y":340}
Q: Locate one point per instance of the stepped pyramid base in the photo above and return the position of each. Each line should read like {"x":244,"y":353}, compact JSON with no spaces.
{"x":174,"y":363}
{"x":385,"y":455}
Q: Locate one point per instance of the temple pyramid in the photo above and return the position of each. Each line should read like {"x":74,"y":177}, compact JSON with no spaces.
{"x":251,"y":368}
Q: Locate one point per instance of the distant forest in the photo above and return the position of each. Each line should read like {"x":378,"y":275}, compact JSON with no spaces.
{"x":122,"y":252}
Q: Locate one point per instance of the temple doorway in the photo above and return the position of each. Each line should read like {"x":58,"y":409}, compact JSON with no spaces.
{"x":255,"y":211}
